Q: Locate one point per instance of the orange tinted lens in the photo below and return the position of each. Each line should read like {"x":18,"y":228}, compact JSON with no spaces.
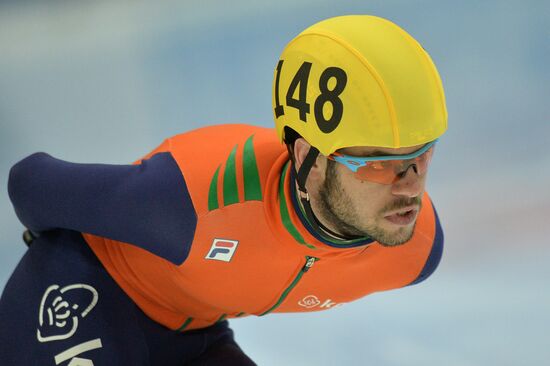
{"x":386,"y":172}
{"x":383,"y":172}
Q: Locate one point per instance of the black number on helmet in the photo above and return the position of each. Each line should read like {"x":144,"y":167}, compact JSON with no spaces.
{"x":300,"y":80}
{"x":279,"y":109}
{"x":331,"y":96}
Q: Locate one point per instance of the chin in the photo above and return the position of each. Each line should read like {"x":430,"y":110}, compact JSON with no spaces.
{"x":396,"y":237}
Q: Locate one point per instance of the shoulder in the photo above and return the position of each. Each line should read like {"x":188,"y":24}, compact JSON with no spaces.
{"x":225,"y":164}
{"x":430,"y":224}
{"x":221,"y":135}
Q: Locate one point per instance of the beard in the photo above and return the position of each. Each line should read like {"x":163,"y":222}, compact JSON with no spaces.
{"x":336,"y":207}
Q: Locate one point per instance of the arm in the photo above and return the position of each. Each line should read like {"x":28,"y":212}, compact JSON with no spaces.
{"x":146,"y":204}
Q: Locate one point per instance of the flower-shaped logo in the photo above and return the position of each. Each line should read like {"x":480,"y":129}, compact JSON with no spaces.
{"x":60,"y":310}
{"x":309,"y":301}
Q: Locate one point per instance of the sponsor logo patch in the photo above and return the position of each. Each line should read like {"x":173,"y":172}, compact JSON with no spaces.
{"x":58,"y":319}
{"x":77,"y":350}
{"x":312,"y":301}
{"x":309,"y":301}
{"x":61,"y":309}
{"x":222,"y":250}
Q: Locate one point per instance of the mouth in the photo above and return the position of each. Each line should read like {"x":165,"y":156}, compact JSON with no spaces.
{"x":404,"y":216}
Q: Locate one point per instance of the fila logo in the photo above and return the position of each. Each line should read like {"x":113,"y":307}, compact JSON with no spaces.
{"x":312,"y":301}
{"x":222,"y":250}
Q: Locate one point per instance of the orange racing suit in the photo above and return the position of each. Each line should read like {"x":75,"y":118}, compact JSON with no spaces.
{"x":243,"y":247}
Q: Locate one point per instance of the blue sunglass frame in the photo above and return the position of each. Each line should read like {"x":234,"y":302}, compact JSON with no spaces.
{"x":356,"y":162}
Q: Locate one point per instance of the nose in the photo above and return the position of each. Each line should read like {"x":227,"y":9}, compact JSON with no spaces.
{"x":410,"y":184}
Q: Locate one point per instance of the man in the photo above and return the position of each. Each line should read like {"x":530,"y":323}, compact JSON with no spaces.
{"x":143,"y":264}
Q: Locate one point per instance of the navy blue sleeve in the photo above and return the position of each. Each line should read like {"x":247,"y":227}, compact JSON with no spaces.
{"x":435,"y":254}
{"x":147,"y":205}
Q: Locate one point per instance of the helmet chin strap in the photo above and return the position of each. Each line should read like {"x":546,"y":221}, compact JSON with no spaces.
{"x":301,"y":177}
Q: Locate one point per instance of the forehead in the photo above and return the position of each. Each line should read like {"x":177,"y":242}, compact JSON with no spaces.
{"x":378,"y":151}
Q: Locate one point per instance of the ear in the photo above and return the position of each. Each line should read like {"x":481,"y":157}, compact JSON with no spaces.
{"x":301,"y":148}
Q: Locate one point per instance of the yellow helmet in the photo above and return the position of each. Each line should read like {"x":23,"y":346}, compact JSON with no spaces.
{"x":358,"y":80}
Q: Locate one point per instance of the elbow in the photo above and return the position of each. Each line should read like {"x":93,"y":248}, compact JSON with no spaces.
{"x":15,"y":174}
{"x":20,"y":187}
{"x":18,"y":175}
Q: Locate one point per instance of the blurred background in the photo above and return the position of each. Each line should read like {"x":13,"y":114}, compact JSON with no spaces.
{"x":107,"y":81}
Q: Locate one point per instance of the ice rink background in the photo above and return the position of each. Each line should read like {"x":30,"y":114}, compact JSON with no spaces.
{"x":107,"y":81}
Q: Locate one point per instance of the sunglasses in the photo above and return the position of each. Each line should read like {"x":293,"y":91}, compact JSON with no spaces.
{"x":386,"y":169}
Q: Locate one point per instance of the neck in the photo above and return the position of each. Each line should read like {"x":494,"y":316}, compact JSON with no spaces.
{"x":329,"y":233}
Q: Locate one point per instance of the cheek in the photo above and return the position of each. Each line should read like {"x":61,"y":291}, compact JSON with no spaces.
{"x":367,"y":198}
